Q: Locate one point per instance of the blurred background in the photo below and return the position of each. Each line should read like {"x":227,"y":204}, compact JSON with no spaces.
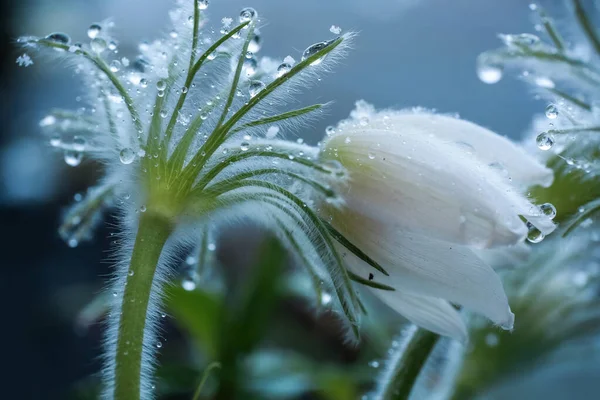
{"x":408,"y":53}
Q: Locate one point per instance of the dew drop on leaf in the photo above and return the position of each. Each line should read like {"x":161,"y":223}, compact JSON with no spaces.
{"x":73,"y":158}
{"x":202,"y":4}
{"x":489,"y":73}
{"x":247,"y":14}
{"x":59,"y":37}
{"x":126,"y":155}
{"x":93,"y":31}
{"x":98,"y":45}
{"x":283,"y":69}
{"x":115,"y":66}
{"x":314,"y":49}
{"x":534,"y":235}
{"x":544,"y":141}
{"x":551,"y":111}
{"x":255,"y":88}
{"x":548,"y":210}
{"x":79,"y":143}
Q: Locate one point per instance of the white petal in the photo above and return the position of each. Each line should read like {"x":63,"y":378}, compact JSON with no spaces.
{"x":504,"y":257}
{"x":491,"y":149}
{"x":424,"y":266}
{"x":430,"y":187}
{"x":430,"y":313}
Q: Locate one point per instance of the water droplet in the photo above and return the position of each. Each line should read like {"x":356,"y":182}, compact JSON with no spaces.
{"x":163,"y":113}
{"x":491,"y":339}
{"x":244,"y":146}
{"x":545,"y":141}
{"x":188,"y":283}
{"x":255,"y":43}
{"x":272,"y":132}
{"x":115,"y":294}
{"x":79,"y":143}
{"x":126,"y":155}
{"x":330,"y":130}
{"x":534,"y":235}
{"x":158,"y":345}
{"x":371,"y":155}
{"x":72,"y":243}
{"x":163,"y":315}
{"x":59,"y":37}
{"x":247,"y":14}
{"x":143,"y":208}
{"x":98,"y":45}
{"x":190,"y":260}
{"x":489,"y":73}
{"x":55,"y":141}
{"x":131,"y":272}
{"x":548,"y":210}
{"x":202,"y":4}
{"x":551,"y":111}
{"x":314,"y":49}
{"x":161,"y":85}
{"x":336,"y":30}
{"x":250,"y":66}
{"x":144,"y":82}
{"x":115,"y":65}
{"x":523,"y":39}
{"x":255,"y":88}
{"x":283,"y":69}
{"x":325,"y":298}
{"x":73,"y":158}
{"x":48,"y":120}
{"x":112,"y":45}
{"x":374,"y":364}
{"x":544,"y":82}
{"x":93,"y":31}
{"x":347,"y":140}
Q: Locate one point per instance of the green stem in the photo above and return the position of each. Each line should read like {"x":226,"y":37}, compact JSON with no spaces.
{"x":153,"y":232}
{"x":205,"y":376}
{"x":406,"y":366}
{"x":587,"y":25}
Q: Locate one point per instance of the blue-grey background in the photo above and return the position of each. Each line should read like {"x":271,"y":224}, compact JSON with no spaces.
{"x":408,"y":53}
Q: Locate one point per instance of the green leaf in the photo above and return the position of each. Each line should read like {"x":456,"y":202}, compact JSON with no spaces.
{"x":589,"y":210}
{"x":277,"y":374}
{"x":586,"y":25}
{"x":281,"y":117}
{"x":193,"y":70}
{"x":248,"y":317}
{"x":198,"y":313}
{"x":400,"y":372}
{"x":355,"y":250}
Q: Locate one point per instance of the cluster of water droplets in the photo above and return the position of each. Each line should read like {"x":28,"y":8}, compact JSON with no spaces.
{"x":534,"y":235}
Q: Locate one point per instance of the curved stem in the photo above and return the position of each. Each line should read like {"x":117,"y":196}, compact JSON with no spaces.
{"x":405,"y":366}
{"x":152,"y":235}
{"x":101,"y":64}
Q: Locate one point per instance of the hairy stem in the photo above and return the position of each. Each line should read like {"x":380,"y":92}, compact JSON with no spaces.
{"x":406,"y":366}
{"x":152,"y":235}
